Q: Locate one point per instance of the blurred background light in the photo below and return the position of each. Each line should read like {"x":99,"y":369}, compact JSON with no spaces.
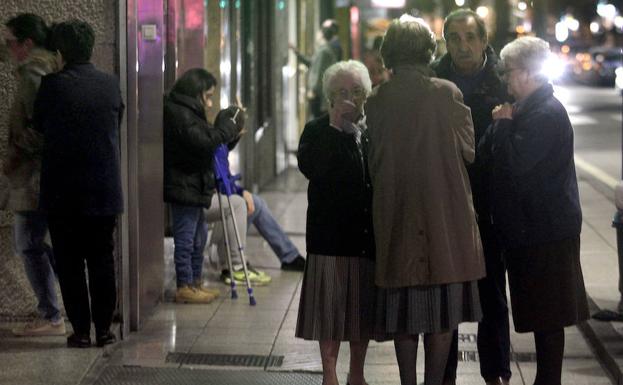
{"x":553,"y":67}
{"x":482,"y":11}
{"x":388,"y":3}
{"x":460,"y":3}
{"x":572,"y":23}
{"x":562,"y":32}
{"x":607,"y":11}
{"x":594,"y":27}
{"x":522,"y":5}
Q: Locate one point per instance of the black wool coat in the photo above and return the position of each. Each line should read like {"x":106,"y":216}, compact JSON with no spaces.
{"x":534,"y":190}
{"x":339,"y":195}
{"x":79,"y":111}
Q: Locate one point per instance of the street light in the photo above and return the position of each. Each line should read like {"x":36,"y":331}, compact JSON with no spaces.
{"x":594,"y":27}
{"x":482,"y":11}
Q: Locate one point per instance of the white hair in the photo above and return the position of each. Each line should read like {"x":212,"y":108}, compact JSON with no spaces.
{"x":528,"y":53}
{"x":351,"y":67}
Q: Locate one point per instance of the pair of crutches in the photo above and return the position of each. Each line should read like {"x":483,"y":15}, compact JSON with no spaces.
{"x":224,"y":183}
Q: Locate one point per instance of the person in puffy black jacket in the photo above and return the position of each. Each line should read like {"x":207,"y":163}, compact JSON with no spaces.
{"x":189,"y":144}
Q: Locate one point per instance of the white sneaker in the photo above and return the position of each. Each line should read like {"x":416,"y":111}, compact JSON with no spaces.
{"x":41,"y":327}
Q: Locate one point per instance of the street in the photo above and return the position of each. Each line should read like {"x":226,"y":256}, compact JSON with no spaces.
{"x":595,"y":114}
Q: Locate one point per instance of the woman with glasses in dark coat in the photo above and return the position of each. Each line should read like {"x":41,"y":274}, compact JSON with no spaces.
{"x":337,"y":297}
{"x":535,"y":205}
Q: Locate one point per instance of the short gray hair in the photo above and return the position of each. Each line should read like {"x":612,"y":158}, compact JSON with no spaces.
{"x":408,"y":40}
{"x":528,"y":53}
{"x":351,"y":67}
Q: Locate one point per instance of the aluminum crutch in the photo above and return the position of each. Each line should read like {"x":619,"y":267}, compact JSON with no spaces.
{"x":222,"y":173}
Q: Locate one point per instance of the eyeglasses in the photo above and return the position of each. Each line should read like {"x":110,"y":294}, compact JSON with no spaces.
{"x":354,"y":94}
{"x":506,"y":72}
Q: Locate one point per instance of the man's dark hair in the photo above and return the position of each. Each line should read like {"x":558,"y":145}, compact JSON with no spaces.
{"x":464,"y":13}
{"x":74,"y":39}
{"x":29,"y":26}
{"x":329,"y":29}
{"x":194,"y":83}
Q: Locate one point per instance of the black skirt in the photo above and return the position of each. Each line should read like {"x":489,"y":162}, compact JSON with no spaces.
{"x":546,"y":286}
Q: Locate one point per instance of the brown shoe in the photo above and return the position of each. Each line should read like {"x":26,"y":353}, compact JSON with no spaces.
{"x":188,"y":294}
{"x":204,"y":289}
{"x":41,"y":327}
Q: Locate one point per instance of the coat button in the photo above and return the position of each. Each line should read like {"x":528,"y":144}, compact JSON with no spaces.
{"x":363,"y":252}
{"x":365,"y":231}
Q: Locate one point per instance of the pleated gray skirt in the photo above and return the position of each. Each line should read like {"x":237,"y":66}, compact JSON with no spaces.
{"x":426,"y":309}
{"x":337,"y":299}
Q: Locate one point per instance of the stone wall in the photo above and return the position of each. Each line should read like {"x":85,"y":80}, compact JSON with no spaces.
{"x":16,"y":298}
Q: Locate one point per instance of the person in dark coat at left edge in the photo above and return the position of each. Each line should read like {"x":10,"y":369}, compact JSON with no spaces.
{"x":79,"y":110}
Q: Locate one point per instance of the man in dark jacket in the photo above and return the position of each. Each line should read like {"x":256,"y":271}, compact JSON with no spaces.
{"x":471,"y":64}
{"x":79,"y":110}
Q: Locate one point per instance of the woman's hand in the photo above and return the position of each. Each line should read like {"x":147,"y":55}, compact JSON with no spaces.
{"x":502,"y":111}
{"x":344,"y":115}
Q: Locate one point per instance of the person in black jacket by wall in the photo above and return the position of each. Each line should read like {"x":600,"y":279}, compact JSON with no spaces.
{"x":79,"y":110}
{"x":189,"y":144}
{"x":472,"y":65}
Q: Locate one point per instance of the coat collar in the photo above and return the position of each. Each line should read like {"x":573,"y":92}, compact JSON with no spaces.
{"x":422,"y":69}
{"x":189,"y":102}
{"x":535,"y":99}
{"x":492,"y":79}
{"x":40,"y":60}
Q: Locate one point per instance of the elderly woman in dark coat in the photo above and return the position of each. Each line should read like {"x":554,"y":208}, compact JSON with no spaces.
{"x":429,"y":255}
{"x":535,"y":205}
{"x":338,"y":292}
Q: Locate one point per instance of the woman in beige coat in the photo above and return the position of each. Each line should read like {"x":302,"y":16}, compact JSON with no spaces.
{"x":428,"y":249}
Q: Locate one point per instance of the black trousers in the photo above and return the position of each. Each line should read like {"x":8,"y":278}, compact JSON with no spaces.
{"x":493,"y":330}
{"x":77,"y":239}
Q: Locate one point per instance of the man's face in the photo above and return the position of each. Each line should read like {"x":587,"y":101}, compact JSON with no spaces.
{"x":18,"y":51}
{"x":465,"y":46}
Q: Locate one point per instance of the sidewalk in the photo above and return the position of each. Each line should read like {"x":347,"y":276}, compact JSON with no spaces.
{"x":211,"y":341}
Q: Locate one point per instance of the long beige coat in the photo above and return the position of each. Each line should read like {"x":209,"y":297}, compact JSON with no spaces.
{"x":421,"y":137}
{"x":22,"y":164}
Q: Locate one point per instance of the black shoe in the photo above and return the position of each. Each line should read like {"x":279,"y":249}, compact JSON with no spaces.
{"x":105,"y":338}
{"x":297,"y":265}
{"x":79,"y":341}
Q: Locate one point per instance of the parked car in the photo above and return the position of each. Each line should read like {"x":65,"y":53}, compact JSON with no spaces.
{"x":597,"y":66}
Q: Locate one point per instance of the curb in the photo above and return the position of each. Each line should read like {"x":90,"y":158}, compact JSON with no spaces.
{"x":607,"y":343}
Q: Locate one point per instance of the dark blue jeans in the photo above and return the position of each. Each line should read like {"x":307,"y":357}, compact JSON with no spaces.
{"x":268,"y":227}
{"x":190,"y":233}
{"x":493,"y":330}
{"x":29,"y":230}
